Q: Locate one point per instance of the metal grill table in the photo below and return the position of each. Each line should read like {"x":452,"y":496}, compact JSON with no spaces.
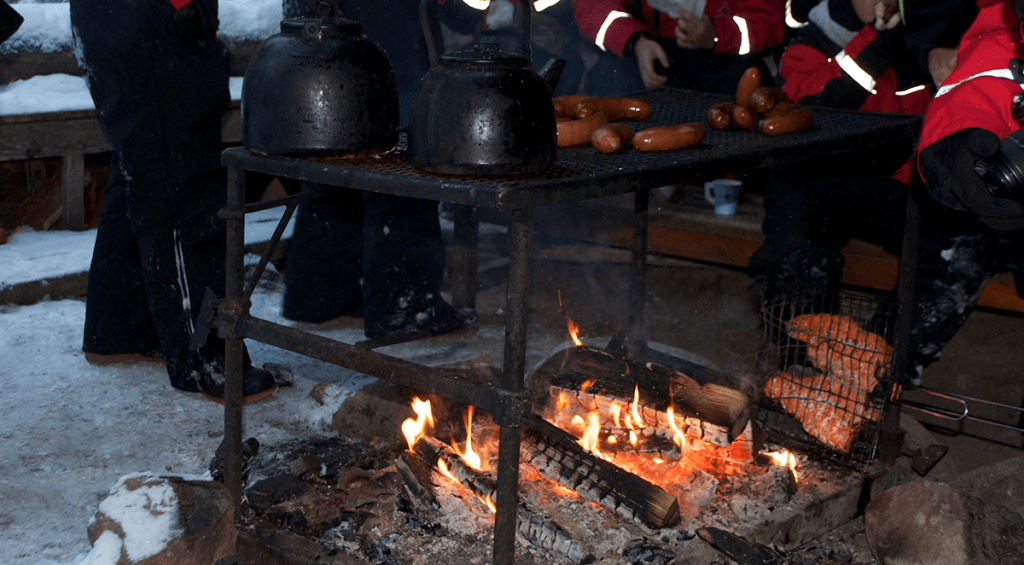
{"x":580,"y":173}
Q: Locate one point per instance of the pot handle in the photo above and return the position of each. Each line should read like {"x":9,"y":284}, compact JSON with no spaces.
{"x":428,"y":33}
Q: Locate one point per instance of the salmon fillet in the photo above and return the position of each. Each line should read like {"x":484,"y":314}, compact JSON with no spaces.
{"x":829,"y":409}
{"x":837,"y":345}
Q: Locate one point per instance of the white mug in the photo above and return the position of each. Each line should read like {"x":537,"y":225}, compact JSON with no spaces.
{"x":723,"y":194}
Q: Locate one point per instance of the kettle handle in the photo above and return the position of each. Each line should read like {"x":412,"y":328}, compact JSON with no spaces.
{"x":428,"y":34}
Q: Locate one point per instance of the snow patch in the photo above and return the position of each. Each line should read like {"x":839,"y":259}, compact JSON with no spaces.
{"x":148,"y":514}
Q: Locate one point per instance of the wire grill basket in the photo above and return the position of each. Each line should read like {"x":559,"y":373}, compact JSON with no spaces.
{"x":826,"y":370}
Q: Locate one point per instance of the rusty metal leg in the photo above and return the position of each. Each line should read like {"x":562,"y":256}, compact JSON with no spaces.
{"x":636,"y":344}
{"x":507,"y":503}
{"x":466,"y":257}
{"x":232,"y":308}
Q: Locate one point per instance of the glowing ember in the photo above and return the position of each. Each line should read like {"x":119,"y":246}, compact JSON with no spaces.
{"x":414,"y":429}
{"x":471,"y":457}
{"x":784,"y":459}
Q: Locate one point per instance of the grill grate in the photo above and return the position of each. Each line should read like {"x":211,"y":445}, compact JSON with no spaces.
{"x":826,"y":370}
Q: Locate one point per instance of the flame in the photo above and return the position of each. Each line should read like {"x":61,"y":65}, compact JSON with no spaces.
{"x":443,"y":467}
{"x":679,"y":437}
{"x":616,"y":409}
{"x":586,"y":384}
{"x":414,"y":429}
{"x":574,"y":331}
{"x":471,"y":457}
{"x":490,"y":504}
{"x":636,"y":406}
{"x":591,"y":439}
{"x":784,"y":459}
{"x":632,"y":438}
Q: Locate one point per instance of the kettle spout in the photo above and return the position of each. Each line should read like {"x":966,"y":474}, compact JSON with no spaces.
{"x":551,"y":72}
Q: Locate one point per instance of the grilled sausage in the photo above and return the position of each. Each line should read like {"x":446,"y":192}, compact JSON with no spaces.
{"x":577,"y":132}
{"x":720,"y":115}
{"x":565,"y":106}
{"x":669,"y":138}
{"x":745,"y":117}
{"x":618,"y":109}
{"x":749,"y":82}
{"x":611,"y":137}
{"x":765,"y":98}
{"x":786,"y":122}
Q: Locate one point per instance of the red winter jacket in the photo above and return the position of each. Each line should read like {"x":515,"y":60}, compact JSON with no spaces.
{"x":971,"y":98}
{"x":610,"y":23}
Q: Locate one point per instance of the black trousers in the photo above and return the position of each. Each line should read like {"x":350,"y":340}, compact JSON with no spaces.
{"x":809,"y":219}
{"x":355,"y":252}
{"x":159,"y":80}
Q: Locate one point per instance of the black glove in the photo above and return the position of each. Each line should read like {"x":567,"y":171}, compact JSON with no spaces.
{"x":947,"y":167}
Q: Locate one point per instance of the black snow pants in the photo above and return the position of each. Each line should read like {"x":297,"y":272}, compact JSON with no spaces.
{"x":810,"y":218}
{"x":159,"y":79}
{"x":377,"y":255}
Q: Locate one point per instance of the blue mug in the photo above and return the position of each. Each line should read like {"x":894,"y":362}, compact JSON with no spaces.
{"x":723,"y":194}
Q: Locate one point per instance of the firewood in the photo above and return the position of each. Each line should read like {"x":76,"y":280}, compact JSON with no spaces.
{"x":416,"y":474}
{"x":594,"y":379}
{"x":556,"y":455}
{"x":547,"y":534}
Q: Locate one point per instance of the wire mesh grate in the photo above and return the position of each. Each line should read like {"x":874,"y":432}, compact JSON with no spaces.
{"x":826,"y":365}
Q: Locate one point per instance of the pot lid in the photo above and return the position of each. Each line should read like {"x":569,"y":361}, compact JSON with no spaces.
{"x":328,"y":25}
{"x":486,"y":54}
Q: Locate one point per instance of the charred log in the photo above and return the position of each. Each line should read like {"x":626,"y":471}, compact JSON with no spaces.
{"x":548,"y":535}
{"x":557,"y":455}
{"x":594,"y":380}
{"x":416,"y":474}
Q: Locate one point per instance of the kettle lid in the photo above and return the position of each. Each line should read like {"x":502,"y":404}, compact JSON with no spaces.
{"x":329,"y":25}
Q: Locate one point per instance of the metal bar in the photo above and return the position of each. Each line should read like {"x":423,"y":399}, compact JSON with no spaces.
{"x":514,"y":363}
{"x":636,"y":344}
{"x":283,"y":201}
{"x":250,"y":285}
{"x":502,"y":404}
{"x":234,"y":273}
{"x":962,"y":400}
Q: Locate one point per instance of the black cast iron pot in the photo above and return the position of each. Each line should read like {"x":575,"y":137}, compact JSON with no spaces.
{"x":319,"y":87}
{"x":483,"y":111}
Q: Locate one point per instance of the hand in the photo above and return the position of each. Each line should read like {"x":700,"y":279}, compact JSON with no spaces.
{"x":941,"y":62}
{"x":648,"y":51}
{"x":886,"y":17}
{"x":948,"y":169}
{"x":694,"y":32}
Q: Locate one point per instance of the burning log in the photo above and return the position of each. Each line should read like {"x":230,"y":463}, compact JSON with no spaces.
{"x":534,"y":528}
{"x":557,"y":455}
{"x":595,"y":380}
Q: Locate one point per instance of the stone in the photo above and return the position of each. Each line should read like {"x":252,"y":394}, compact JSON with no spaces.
{"x":919,"y":523}
{"x":163,"y":520}
{"x":994,"y":498}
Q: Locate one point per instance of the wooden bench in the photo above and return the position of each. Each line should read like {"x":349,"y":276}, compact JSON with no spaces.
{"x":72,"y":135}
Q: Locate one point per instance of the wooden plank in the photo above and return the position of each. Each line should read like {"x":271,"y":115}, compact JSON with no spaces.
{"x":72,"y":190}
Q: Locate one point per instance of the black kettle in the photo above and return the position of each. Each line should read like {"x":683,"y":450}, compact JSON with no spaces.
{"x":319,"y":87}
{"x":483,"y":111}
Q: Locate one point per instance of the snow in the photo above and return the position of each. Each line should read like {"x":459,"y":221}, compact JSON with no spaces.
{"x":148,"y":514}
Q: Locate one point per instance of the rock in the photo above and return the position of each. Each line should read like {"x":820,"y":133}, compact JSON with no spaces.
{"x":376,"y":411}
{"x":919,"y":523}
{"x":163,"y":520}
{"x":994,"y":498}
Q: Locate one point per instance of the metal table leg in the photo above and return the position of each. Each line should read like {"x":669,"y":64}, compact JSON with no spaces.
{"x":233,"y":306}
{"x":466,"y":257}
{"x":507,"y":503}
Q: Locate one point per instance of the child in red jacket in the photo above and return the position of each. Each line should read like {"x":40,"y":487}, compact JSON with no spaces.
{"x":853,"y":55}
{"x":698,"y":44}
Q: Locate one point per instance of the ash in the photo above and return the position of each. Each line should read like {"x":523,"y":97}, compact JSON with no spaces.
{"x":348,"y":496}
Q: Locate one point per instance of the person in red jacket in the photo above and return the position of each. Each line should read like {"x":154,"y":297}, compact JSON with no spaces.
{"x":698,"y":44}
{"x":852,"y":54}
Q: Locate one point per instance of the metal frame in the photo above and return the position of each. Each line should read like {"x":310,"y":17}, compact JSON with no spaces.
{"x":579,"y":174}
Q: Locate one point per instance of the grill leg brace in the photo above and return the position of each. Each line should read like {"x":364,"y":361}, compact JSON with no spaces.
{"x":636,"y":344}
{"x":234,"y":306}
{"x":514,"y":362}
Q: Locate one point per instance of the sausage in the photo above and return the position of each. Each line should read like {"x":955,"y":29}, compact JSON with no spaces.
{"x":745,"y":117}
{"x":669,"y":138}
{"x":764,"y":98}
{"x":783,"y":107}
{"x":611,"y":137}
{"x":577,"y":132}
{"x":749,"y":82}
{"x":618,"y":109}
{"x":720,"y":115}
{"x":789,"y":122}
{"x":565,"y":106}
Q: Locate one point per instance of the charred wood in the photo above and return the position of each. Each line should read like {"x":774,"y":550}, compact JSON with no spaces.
{"x":547,"y":534}
{"x":739,"y":549}
{"x":594,"y":380}
{"x":557,"y":455}
{"x":416,"y":474}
